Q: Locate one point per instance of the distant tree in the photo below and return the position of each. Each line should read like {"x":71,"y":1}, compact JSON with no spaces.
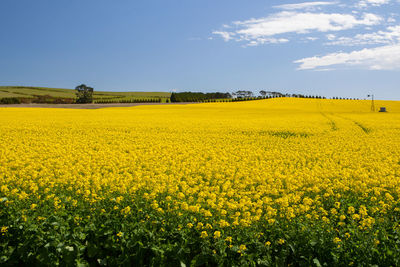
{"x":84,"y":94}
{"x":173,"y":98}
{"x":240,"y":93}
{"x":198,"y":96}
{"x":243,"y":94}
{"x":263,"y":93}
{"x":274,"y":94}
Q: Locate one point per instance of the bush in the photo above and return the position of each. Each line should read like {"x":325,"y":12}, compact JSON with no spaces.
{"x":84,"y":94}
{"x":10,"y":100}
{"x":43,"y":99}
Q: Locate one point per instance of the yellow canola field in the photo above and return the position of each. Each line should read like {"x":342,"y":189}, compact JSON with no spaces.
{"x":210,"y":169}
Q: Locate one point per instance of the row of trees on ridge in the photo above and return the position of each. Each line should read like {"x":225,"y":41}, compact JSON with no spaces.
{"x":84,"y":94}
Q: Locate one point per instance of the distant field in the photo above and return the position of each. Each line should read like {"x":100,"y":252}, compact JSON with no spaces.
{"x":32,"y":92}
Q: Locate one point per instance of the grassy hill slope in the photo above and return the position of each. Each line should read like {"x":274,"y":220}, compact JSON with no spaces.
{"x":37,"y":92}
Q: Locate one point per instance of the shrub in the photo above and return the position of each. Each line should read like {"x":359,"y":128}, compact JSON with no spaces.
{"x":10,"y":100}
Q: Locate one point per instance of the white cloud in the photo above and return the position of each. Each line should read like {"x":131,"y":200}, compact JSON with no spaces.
{"x":225,"y":35}
{"x":391,"y":36}
{"x":256,"y":31}
{"x":331,"y":37}
{"x":379,"y":58}
{"x":305,"y":5}
{"x":391,"y":20}
{"x":367,"y":3}
{"x":267,"y":41}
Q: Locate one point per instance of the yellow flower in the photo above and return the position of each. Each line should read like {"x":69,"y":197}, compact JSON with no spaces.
{"x":207,"y":213}
{"x":223,"y":223}
{"x":119,"y":199}
{"x":325,"y":219}
{"x":4,"y":230}
{"x":336,"y":240}
{"x":351,"y":210}
{"x":204,"y":234}
{"x":228,"y":239}
{"x":281,"y":241}
{"x":126,"y":210}
{"x":217,"y":234}
{"x":181,"y":164}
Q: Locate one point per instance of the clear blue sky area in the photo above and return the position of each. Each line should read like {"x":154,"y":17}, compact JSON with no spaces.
{"x":330,"y":48}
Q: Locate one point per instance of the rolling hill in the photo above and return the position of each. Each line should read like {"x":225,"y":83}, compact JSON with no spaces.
{"x":28,"y":93}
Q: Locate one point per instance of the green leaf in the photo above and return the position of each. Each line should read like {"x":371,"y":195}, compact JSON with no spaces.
{"x":102,"y":262}
{"x":91,"y":250}
{"x":292,"y":248}
{"x":316,"y":262}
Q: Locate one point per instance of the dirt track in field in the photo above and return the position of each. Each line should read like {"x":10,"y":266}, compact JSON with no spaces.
{"x":88,"y":106}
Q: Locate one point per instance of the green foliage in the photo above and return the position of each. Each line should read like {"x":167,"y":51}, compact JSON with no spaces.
{"x":129,"y":100}
{"x":10,"y":100}
{"x":197,"y":96}
{"x":249,"y":98}
{"x":92,"y":234}
{"x":84,"y":94}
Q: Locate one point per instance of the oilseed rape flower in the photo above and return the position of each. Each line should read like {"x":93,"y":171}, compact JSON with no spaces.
{"x":337,"y":240}
{"x":204,"y":234}
{"x":228,"y":239}
{"x":4,"y":230}
{"x":217,"y":234}
{"x":304,"y":172}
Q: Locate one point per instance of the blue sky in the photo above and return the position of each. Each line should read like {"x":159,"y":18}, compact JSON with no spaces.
{"x":330,"y":48}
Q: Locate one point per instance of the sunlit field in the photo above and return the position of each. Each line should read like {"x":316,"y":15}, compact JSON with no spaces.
{"x":258,"y":183}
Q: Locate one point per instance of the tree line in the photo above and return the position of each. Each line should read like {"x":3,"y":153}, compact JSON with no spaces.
{"x":197,"y":96}
{"x":84,"y":94}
